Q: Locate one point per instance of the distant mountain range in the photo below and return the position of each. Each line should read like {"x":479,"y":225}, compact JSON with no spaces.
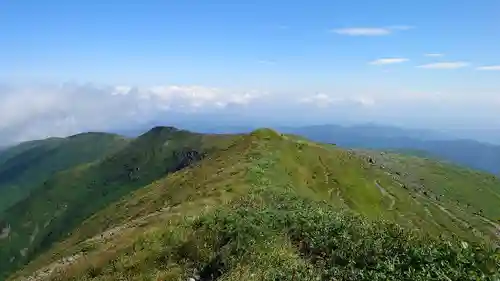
{"x":470,"y":153}
{"x":467,"y":152}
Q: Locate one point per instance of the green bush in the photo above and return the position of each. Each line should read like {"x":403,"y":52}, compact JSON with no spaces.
{"x":330,"y":245}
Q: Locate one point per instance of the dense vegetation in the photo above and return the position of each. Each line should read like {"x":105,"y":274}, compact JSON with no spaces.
{"x":262,"y":206}
{"x":317,"y":242}
{"x":25,"y":166}
{"x":65,"y":200}
{"x":288,"y":238}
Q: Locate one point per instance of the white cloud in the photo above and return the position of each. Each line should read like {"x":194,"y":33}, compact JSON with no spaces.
{"x":371,"y":31}
{"x":37,"y":111}
{"x":319,"y":100}
{"x":192,"y":95}
{"x":435,"y":55}
{"x":364,"y":101}
{"x":121,"y":90}
{"x":444,"y":65}
{"x":196,"y":96}
{"x":489,"y":67}
{"x":363,"y":31}
{"x":388,"y":61}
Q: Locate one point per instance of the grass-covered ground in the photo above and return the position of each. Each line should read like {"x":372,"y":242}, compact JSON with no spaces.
{"x":61,"y":203}
{"x":27,"y":165}
{"x":273,"y":207}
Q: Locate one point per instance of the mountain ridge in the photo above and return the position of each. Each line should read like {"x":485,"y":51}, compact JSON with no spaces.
{"x":248,"y":173}
{"x":464,"y":151}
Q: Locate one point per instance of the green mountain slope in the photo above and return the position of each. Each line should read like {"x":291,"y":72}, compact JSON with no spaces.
{"x":63,"y":201}
{"x":470,"y":153}
{"x":265,"y":206}
{"x":10,"y":152}
{"x":27,"y":165}
{"x":468,"y":191}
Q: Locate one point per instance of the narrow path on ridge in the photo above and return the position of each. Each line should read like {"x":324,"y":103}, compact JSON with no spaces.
{"x":386,"y":194}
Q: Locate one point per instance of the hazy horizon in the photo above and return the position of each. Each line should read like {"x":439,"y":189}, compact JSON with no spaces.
{"x":76,"y":66}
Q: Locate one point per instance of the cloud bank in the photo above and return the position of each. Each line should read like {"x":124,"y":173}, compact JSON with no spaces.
{"x":39,"y":111}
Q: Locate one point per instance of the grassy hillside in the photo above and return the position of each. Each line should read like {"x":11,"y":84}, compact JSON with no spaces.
{"x":473,"y":154}
{"x":27,"y":165}
{"x":265,"y":206}
{"x":63,"y":201}
{"x":470,"y":191}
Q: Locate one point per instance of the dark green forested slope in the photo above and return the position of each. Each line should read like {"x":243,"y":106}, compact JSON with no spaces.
{"x":63,"y":201}
{"x":264,"y":206}
{"x":27,"y":165}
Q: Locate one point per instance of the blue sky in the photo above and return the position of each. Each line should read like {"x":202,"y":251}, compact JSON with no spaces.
{"x":416,"y":63}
